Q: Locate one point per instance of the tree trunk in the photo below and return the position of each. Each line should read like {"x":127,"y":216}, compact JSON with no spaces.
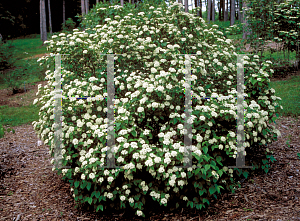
{"x":200,"y":12}
{"x":196,"y":5}
{"x":41,"y":21}
{"x":50,"y":20}
{"x":122,"y":3}
{"x":225,"y":10}
{"x":208,"y":10}
{"x":246,"y":26}
{"x":82,"y":7}
{"x":44,"y":22}
{"x":86,"y":6}
{"x":242,"y":11}
{"x":232,"y":12}
{"x":64,"y":11}
{"x":186,"y":5}
{"x":220,"y":5}
{"x":97,"y":1}
{"x":213,"y":10}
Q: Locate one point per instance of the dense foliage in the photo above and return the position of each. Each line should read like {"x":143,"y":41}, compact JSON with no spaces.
{"x":269,"y":20}
{"x":149,"y":110}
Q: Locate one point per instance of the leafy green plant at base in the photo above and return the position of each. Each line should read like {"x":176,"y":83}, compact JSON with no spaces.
{"x":149,"y":100}
{"x":2,"y":131}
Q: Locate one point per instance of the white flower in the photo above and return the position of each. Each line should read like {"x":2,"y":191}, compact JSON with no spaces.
{"x":75,"y":141}
{"x":139,"y":213}
{"x":110,"y":195}
{"x":180,"y":126}
{"x":202,"y":118}
{"x":163,"y":201}
{"x":122,"y":198}
{"x":92,"y":175}
{"x":85,"y":52}
{"x":140,"y":109}
{"x":250,"y":124}
{"x":161,"y":170}
{"x":183,"y":174}
{"x":82,"y":176}
{"x":110,"y":179}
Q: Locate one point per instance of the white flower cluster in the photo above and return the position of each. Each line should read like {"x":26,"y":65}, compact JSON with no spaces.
{"x":146,"y":90}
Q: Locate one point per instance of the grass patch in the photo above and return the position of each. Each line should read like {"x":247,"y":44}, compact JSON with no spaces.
{"x":25,"y":70}
{"x":27,"y":47}
{"x":12,"y":116}
{"x":289,"y":92}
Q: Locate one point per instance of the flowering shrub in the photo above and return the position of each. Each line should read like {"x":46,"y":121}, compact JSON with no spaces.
{"x":287,"y":23}
{"x":149,"y":107}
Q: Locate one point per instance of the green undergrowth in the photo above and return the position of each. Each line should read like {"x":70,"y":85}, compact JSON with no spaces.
{"x":289,"y":91}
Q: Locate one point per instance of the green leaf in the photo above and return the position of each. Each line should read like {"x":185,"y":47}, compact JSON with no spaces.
{"x":212,"y":190}
{"x":207,"y":166}
{"x":134,"y":133}
{"x":298,"y":154}
{"x":205,"y":149}
{"x":177,"y":205}
{"x":196,"y":184}
{"x":97,"y":194}
{"x":76,"y":184}
{"x":99,"y":207}
{"x":220,"y":172}
{"x":90,"y":200}
{"x":205,"y":201}
{"x":201,"y":192}
{"x":83,"y":185}
{"x":89,"y":185}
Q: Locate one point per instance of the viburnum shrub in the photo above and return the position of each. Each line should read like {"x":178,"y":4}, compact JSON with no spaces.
{"x":149,"y":111}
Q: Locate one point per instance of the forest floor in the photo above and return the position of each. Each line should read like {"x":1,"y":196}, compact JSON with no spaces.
{"x":30,"y":190}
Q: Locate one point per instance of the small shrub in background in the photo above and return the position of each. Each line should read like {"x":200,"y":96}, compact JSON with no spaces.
{"x":7,"y":58}
{"x":68,"y":26}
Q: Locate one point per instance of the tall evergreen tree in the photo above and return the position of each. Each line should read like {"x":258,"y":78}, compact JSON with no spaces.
{"x":226,"y":11}
{"x":82,"y":7}
{"x":213,"y":11}
{"x":208,"y":10}
{"x":186,"y":4}
{"x":86,"y":6}
{"x":43,"y":24}
{"x":232,"y":12}
{"x":50,"y":20}
{"x":64,"y":11}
